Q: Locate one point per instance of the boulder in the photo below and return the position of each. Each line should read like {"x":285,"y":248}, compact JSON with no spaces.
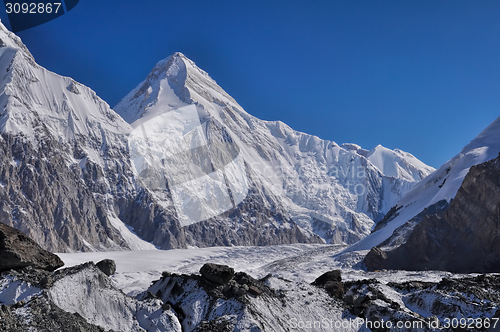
{"x":334,"y":275}
{"x":331,"y":281}
{"x":219,"y":274}
{"x":18,"y":251}
{"x":335,"y":289}
{"x":107,"y":266}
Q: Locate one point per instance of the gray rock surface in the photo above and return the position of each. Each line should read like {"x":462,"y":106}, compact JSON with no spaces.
{"x":18,"y":251}
{"x":376,"y":259}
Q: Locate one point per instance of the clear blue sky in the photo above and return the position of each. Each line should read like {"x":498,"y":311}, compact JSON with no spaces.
{"x":422,"y":76}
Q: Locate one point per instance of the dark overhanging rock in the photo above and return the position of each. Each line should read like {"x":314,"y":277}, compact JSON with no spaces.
{"x":107,"y":266}
{"x":18,"y":251}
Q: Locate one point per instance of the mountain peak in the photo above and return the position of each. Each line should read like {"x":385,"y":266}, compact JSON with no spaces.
{"x":8,"y":40}
{"x":174,"y":82}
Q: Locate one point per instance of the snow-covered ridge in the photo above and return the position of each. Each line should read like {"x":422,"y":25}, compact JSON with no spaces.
{"x":442,"y":184}
{"x":34,"y":98}
{"x":66,"y":150}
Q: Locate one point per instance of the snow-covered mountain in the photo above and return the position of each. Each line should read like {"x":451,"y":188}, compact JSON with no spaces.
{"x":335,"y":191}
{"x":191,"y":169}
{"x":442,"y":185}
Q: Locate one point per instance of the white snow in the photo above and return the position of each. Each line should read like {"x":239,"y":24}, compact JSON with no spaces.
{"x":127,"y":232}
{"x":299,"y":262}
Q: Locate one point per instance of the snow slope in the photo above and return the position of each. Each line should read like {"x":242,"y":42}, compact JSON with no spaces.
{"x":442,"y":184}
{"x":336,"y":191}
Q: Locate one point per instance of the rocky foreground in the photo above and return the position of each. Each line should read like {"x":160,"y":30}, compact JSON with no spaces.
{"x":83,"y":298}
{"x":34,"y":297}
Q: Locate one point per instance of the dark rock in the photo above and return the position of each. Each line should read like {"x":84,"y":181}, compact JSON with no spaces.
{"x":18,"y":251}
{"x":220,"y":324}
{"x":240,"y":291}
{"x":107,"y":266}
{"x":334,"y":275}
{"x":219,"y":274}
{"x":376,"y":259}
{"x":331,"y":281}
{"x":45,"y":316}
{"x":151,"y":295}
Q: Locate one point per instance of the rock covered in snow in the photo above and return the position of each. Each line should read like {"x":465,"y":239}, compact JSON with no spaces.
{"x":335,"y":191}
{"x":440,"y":186}
{"x":77,"y":177}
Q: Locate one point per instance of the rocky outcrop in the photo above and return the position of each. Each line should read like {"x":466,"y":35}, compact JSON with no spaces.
{"x":18,"y":251}
{"x":376,"y":259}
{"x":45,"y":317}
{"x":425,"y":306}
{"x":79,"y":298}
{"x":107,"y":266}
{"x":465,"y":238}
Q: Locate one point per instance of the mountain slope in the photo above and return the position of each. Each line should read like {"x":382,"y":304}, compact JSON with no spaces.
{"x":335,"y":191}
{"x":64,"y":165}
{"x":441,"y":185}
{"x":465,"y":237}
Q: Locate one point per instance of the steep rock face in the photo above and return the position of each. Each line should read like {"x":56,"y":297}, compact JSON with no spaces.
{"x":466,"y":237}
{"x":18,"y":251}
{"x":335,"y":191}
